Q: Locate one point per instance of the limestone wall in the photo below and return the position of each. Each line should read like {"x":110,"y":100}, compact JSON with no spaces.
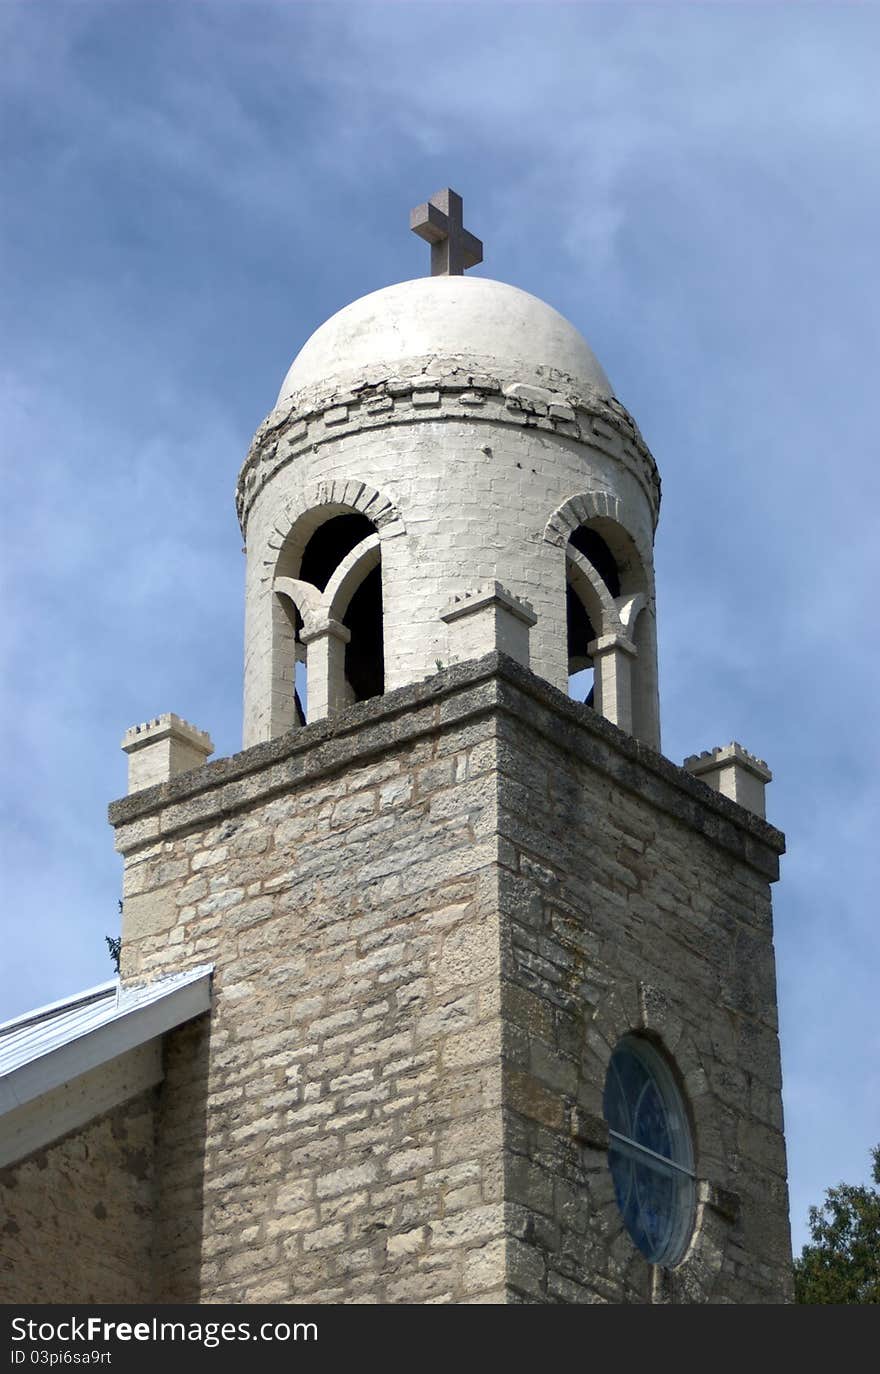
{"x":76,"y":1217}
{"x":630,"y":911}
{"x":431,"y":919}
{"x":337,"y":1136}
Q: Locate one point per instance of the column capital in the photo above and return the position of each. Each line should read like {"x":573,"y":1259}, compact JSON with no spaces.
{"x":607,"y":644}
{"x":329,"y":629}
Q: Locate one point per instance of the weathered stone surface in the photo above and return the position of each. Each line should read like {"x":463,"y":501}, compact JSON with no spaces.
{"x":398,"y":1094}
{"x":626,"y":910}
{"x":77,"y":1218}
{"x":461,"y":461}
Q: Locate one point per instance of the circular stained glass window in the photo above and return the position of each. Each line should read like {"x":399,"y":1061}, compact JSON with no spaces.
{"x":650,"y":1155}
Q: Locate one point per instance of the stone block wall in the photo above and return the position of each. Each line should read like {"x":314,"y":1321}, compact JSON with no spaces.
{"x":335,"y":1135}
{"x":462,"y":491}
{"x":632,"y":910}
{"x":76,"y":1218}
{"x":431,"y":919}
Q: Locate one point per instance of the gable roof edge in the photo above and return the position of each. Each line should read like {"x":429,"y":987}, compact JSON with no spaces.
{"x":117,"y":1024}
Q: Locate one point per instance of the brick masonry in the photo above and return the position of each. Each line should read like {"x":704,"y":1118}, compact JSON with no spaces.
{"x":459,"y":495}
{"x":432,"y":917}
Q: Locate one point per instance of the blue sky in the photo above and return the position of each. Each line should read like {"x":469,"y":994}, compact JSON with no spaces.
{"x":190,"y":189}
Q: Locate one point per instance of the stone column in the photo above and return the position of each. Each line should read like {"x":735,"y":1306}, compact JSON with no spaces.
{"x":325,"y":669}
{"x":612,"y":657}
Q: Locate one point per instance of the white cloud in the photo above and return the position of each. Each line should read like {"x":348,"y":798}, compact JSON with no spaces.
{"x":192,"y":188}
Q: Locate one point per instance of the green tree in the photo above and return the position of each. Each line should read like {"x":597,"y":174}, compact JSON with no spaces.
{"x":843,"y":1263}
{"x":114,"y":945}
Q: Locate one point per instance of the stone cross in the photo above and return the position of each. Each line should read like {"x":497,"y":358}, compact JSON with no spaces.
{"x":439,"y":222}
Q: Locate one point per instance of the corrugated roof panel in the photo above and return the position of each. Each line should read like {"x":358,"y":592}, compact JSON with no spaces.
{"x":40,"y":1013}
{"x":38,"y":1033}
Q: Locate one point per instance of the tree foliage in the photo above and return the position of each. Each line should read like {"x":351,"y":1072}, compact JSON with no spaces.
{"x":114,"y":945}
{"x":842,"y":1265}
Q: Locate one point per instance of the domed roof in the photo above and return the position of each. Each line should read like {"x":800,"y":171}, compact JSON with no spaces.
{"x":497,"y":327}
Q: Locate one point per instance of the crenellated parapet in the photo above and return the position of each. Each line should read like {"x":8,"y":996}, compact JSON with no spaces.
{"x":734,"y":772}
{"x":161,"y":748}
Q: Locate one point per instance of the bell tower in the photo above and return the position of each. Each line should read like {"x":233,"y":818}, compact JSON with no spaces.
{"x":494,"y":1007}
{"x":429,"y":441}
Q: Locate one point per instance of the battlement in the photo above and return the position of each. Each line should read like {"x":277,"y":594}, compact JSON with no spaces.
{"x":433,"y":915}
{"x":734,"y":772}
{"x":161,"y":748}
{"x":488,"y":619}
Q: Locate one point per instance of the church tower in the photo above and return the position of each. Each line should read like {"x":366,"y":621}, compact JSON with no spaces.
{"x":447,"y":472}
{"x":494,"y":1011}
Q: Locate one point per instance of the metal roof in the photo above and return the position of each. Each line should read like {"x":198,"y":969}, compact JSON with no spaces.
{"x":54,"y":1043}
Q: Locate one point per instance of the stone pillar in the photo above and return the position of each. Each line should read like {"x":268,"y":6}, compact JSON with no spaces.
{"x":325,"y":668}
{"x":488,"y":619}
{"x":161,"y":748}
{"x":733,"y":772}
{"x":612,"y":657}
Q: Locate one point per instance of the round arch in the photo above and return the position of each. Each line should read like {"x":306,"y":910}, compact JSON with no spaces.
{"x":606,"y":514}
{"x":322,"y":502}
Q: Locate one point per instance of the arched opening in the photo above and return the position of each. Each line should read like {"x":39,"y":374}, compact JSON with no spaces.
{"x":592,"y":583}
{"x":364,"y":652}
{"x":580,"y":634}
{"x":329,"y":544}
{"x":591,"y":544}
{"x":333,"y":609}
{"x":609,"y":605}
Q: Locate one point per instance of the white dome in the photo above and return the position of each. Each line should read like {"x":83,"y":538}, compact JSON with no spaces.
{"x":504,"y":330}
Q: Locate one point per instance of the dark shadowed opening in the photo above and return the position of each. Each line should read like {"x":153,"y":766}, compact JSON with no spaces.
{"x":364,"y":654}
{"x":329,"y":545}
{"x":594,"y":548}
{"x":580,"y":634}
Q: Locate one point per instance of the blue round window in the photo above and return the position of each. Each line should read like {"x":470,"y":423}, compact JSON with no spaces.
{"x":650,"y":1155}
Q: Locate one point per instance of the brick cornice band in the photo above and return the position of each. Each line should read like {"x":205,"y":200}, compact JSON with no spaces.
{"x":449,"y":392}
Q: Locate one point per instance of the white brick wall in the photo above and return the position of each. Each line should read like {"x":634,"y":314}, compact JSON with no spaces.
{"x":472,"y":490}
